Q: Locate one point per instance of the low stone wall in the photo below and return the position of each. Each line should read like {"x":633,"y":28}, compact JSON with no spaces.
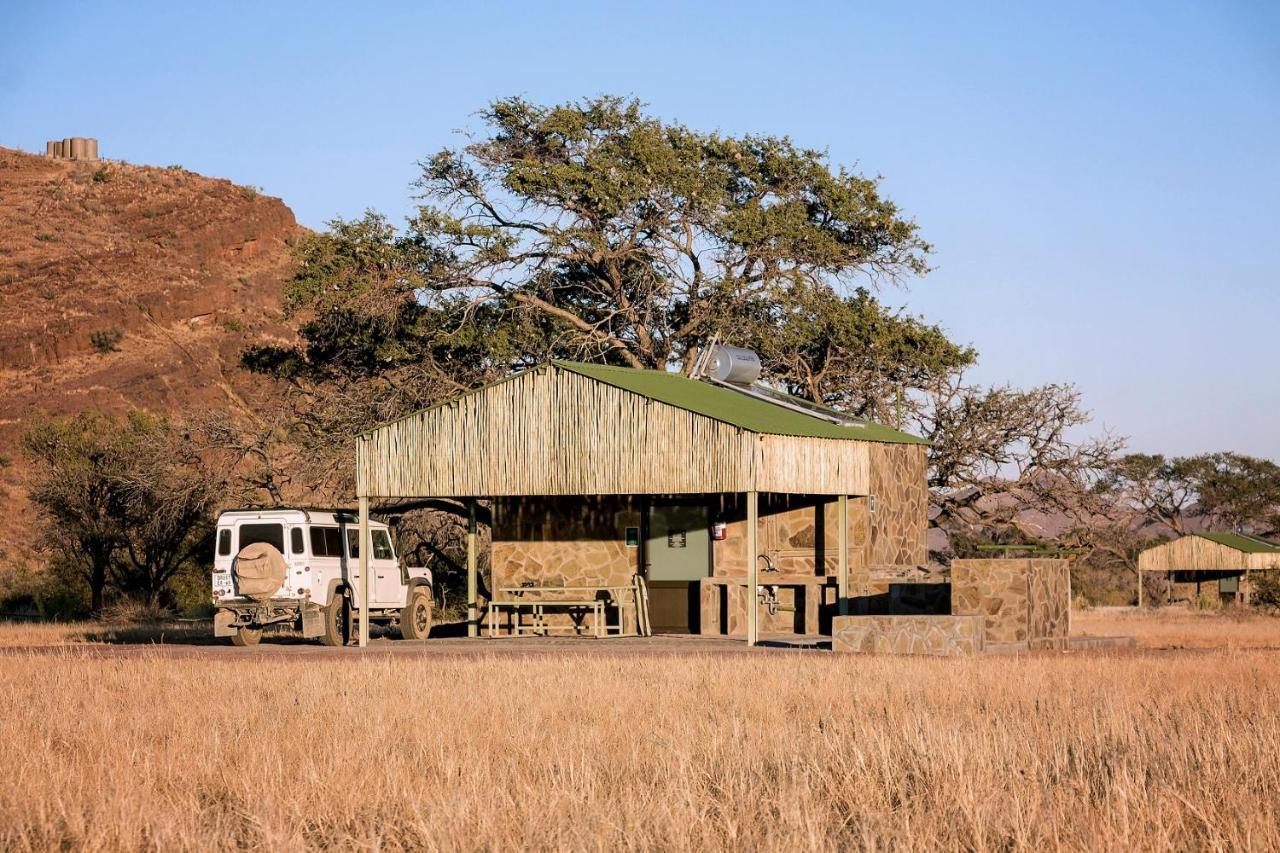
{"x":951,"y":636}
{"x":1020,"y":600}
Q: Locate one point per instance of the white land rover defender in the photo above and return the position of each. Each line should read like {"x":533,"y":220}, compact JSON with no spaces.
{"x":302,"y":567}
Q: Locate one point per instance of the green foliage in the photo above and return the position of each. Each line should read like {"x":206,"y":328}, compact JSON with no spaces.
{"x":1230,"y":490}
{"x":106,"y":340}
{"x":233,"y":324}
{"x":851,"y":352}
{"x":102,"y":176}
{"x":591,"y":230}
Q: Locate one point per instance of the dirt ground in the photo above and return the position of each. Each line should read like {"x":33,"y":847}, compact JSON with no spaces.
{"x":1152,"y":630}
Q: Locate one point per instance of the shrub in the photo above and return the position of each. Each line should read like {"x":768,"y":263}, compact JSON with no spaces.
{"x":233,"y":324}
{"x":102,"y":176}
{"x":1266,"y":590}
{"x":106,"y":340}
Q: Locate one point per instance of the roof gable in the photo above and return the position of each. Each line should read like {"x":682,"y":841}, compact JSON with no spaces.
{"x":722,"y":404}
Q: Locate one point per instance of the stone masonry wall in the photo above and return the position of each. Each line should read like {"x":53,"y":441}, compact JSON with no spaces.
{"x":1020,"y":601}
{"x":900,"y":522}
{"x":571,"y":541}
{"x":908,"y":635}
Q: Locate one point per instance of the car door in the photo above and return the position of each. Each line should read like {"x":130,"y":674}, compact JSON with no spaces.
{"x":388,"y":586}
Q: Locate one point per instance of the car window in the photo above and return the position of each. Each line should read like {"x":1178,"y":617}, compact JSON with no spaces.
{"x":353,"y":543}
{"x":272,"y":534}
{"x":381,"y":546}
{"x":295,"y":540}
{"x":326,"y":542}
{"x":224,"y":541}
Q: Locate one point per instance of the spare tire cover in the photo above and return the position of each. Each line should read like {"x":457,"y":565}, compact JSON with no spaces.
{"x":259,"y":571}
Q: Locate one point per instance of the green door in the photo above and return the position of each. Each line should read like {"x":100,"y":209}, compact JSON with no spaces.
{"x":677,"y":556}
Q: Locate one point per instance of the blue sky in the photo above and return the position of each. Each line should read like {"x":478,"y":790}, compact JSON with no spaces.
{"x":1101,"y":182}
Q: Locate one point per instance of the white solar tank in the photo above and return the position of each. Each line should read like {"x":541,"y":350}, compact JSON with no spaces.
{"x":735,"y":364}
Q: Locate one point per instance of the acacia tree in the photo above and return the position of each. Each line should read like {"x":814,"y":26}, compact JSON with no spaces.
{"x":129,"y":501}
{"x":1226,"y":489}
{"x":638,"y":239}
{"x":998,"y":453}
{"x":78,"y":463}
{"x":169,"y":499}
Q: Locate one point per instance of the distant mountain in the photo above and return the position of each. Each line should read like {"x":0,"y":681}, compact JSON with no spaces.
{"x":127,"y":287}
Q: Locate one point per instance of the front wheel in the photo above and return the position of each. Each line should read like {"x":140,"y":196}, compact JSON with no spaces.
{"x":246,"y":637}
{"x":415,"y":618}
{"x":337,"y":621}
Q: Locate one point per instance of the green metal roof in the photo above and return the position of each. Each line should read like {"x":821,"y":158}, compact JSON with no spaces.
{"x":1240,"y":542}
{"x":723,"y":404}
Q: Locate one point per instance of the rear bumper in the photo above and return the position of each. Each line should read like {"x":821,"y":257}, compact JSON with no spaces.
{"x":232,"y":614}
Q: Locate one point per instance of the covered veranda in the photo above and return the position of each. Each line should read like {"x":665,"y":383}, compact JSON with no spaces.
{"x":1208,"y":566}
{"x":572,"y":458}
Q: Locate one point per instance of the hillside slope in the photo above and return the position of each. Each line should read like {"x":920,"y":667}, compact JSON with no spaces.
{"x":127,"y":287}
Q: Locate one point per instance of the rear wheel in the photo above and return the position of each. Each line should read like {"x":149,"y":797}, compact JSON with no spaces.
{"x":337,"y":621}
{"x":415,"y":618}
{"x":246,"y":637}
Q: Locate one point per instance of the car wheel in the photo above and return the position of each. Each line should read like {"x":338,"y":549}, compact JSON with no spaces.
{"x":337,"y":622}
{"x":246,"y":637}
{"x":415,"y":618}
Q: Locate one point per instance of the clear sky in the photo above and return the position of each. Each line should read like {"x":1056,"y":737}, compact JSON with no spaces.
{"x":1101,"y":181}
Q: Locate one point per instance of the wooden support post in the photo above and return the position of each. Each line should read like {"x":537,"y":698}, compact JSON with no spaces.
{"x":1139,"y":589}
{"x":473,"y":600}
{"x":842,"y":571}
{"x":753,"y":574}
{"x":366,"y":576}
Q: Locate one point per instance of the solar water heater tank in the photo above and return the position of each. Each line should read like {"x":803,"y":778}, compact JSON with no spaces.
{"x":738,"y":365}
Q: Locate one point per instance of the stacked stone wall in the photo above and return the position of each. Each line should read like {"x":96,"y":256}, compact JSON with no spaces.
{"x":1025,"y":601}
{"x":950,"y":636}
{"x":899,"y":524}
{"x":570,"y":541}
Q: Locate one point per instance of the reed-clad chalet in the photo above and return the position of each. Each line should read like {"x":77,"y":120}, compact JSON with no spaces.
{"x":714,"y":492}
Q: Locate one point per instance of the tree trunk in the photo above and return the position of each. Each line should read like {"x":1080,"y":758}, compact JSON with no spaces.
{"x":97,"y":586}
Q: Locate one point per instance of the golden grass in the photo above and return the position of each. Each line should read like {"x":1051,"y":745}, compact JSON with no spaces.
{"x":65,"y":633}
{"x":1176,"y":628}
{"x":771,"y":751}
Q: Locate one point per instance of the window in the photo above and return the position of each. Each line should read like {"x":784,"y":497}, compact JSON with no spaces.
{"x":224,"y":542}
{"x":326,"y":542}
{"x":353,"y":543}
{"x":295,"y":540}
{"x":382,"y":546}
{"x":272,"y":534}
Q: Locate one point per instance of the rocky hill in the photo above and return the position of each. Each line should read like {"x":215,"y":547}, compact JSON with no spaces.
{"x":127,"y":287}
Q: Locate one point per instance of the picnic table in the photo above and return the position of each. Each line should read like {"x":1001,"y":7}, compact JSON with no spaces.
{"x":537,"y":600}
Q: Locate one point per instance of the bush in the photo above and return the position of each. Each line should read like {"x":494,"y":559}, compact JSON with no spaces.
{"x":1266,"y":590}
{"x":50,"y":594}
{"x":106,"y":340}
{"x":102,"y":176}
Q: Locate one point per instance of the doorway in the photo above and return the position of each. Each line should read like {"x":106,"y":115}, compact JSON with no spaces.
{"x":677,"y":557}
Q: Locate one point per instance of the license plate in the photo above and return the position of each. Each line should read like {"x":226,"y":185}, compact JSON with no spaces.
{"x":222,"y":584}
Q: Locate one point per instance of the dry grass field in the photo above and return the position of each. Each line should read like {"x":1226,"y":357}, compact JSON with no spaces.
{"x":1175,"y":628}
{"x":774,"y":751}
